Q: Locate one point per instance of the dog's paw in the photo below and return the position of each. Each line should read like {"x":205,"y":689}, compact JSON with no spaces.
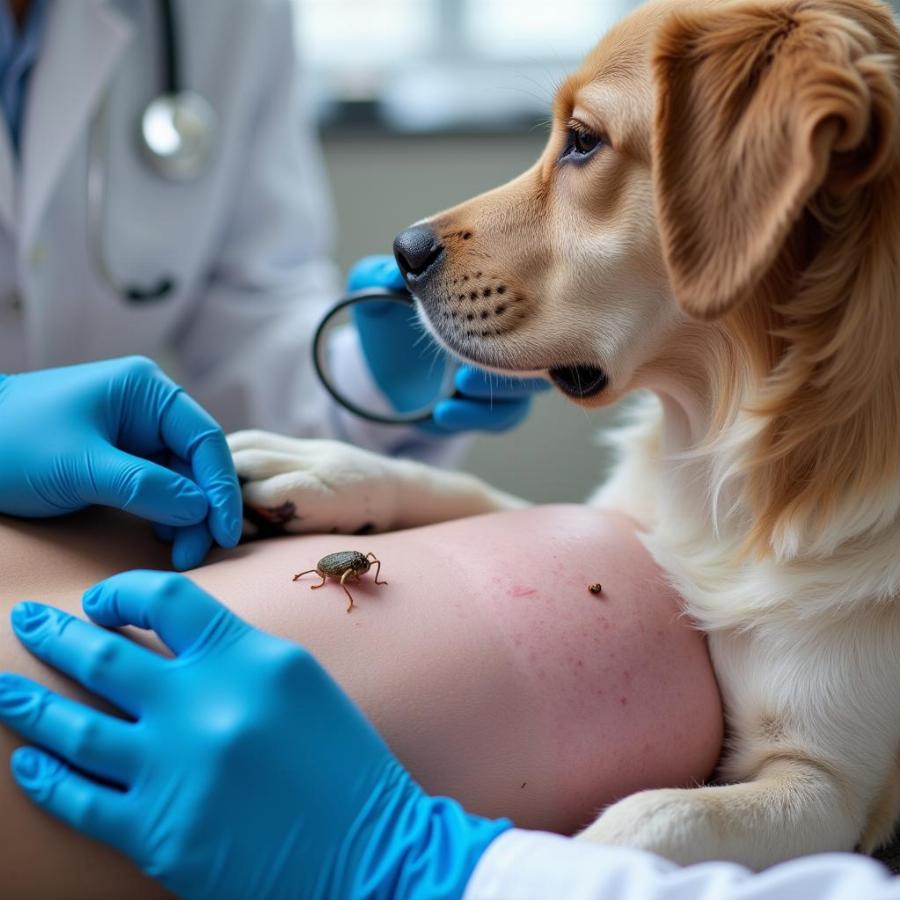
{"x":680,"y":825}
{"x":305,"y":486}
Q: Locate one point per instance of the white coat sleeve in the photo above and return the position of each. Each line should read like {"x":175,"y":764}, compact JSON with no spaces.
{"x":528,"y":865}
{"x":245,"y":352}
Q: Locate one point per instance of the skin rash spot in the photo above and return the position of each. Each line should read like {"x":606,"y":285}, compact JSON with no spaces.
{"x":521,"y":590}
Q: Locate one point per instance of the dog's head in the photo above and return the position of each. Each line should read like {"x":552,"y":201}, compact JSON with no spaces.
{"x":720,"y":179}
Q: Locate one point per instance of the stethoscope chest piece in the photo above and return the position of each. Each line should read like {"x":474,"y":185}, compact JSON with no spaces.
{"x":178,"y":134}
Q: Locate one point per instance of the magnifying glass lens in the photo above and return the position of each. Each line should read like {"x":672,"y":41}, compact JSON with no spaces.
{"x":378,"y":361}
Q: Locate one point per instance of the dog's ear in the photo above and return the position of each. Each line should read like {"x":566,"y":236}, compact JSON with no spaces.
{"x":758,"y":108}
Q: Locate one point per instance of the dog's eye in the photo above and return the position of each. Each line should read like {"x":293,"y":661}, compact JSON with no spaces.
{"x":580,"y":142}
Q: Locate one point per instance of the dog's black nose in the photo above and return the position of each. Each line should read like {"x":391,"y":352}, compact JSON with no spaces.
{"x":416,"y":249}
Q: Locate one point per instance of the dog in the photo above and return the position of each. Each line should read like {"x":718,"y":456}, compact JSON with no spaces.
{"x":716,"y":221}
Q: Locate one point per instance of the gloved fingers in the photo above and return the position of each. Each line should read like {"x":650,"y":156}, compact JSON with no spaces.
{"x":190,"y":543}
{"x":391,"y":315}
{"x":191,"y":433}
{"x":378,"y":270}
{"x":457,"y":414}
{"x":139,"y":486}
{"x":164,"y":533}
{"x":190,"y":546}
{"x":405,"y":362}
{"x":91,"y":741}
{"x":93,"y":809}
{"x":106,"y":663}
{"x":171,"y":605}
{"x":480,"y":384}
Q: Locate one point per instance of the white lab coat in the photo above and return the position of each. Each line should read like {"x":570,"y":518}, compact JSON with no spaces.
{"x":247,"y":242}
{"x":528,"y":865}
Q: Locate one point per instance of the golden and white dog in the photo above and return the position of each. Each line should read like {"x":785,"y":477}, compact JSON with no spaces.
{"x":716,"y":219}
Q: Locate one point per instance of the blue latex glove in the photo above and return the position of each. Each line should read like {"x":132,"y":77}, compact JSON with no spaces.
{"x":246,"y":771}
{"x":118,"y":433}
{"x":395,"y":344}
{"x":190,"y":543}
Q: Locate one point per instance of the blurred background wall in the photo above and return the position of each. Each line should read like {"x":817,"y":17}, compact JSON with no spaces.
{"x":424,"y":103}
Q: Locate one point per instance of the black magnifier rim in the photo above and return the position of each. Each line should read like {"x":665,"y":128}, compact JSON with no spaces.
{"x":318,"y":352}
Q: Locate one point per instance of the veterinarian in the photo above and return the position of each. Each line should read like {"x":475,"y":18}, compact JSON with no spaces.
{"x":161,"y":193}
{"x":249,"y":773}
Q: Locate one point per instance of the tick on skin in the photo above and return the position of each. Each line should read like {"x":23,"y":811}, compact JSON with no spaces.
{"x":344,"y":565}
{"x":595,"y":588}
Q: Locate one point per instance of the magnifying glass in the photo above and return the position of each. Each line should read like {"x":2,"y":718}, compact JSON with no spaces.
{"x":419,"y":371}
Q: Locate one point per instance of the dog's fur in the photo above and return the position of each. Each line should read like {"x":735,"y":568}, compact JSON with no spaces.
{"x":735,"y":250}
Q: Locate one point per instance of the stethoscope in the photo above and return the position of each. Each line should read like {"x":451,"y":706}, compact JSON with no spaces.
{"x":444,"y":390}
{"x":177,"y":135}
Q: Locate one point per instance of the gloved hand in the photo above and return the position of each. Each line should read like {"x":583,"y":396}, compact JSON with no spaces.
{"x":190,"y":543}
{"x":395,"y":344}
{"x":247,"y":771}
{"x":96,"y":434}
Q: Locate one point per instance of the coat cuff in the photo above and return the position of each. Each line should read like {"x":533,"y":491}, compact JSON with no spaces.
{"x":537,"y":865}
{"x":530,"y":865}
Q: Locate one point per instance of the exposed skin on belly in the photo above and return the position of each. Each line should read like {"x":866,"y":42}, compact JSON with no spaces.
{"x":487,"y":664}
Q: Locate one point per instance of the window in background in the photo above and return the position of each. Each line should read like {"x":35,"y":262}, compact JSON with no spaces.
{"x":426,"y":65}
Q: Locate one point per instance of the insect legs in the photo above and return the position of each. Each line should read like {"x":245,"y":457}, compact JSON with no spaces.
{"x":312,"y":587}
{"x":377,"y":567}
{"x":348,"y":574}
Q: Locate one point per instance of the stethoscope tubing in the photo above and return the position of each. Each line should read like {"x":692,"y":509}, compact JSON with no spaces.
{"x":173,"y":98}
{"x":319,"y":351}
{"x":96,"y":216}
{"x":170,"y":59}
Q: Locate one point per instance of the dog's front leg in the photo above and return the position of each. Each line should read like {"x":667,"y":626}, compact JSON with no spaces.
{"x":813,"y":719}
{"x":305,"y":486}
{"x":791,"y":809}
